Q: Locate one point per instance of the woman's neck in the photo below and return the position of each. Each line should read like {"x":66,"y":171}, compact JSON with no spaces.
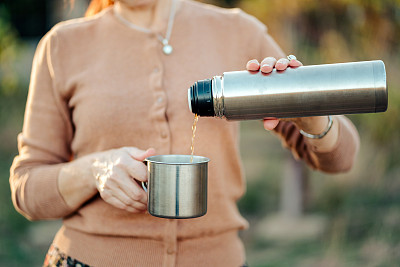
{"x":145,"y":13}
{"x":139,"y":15}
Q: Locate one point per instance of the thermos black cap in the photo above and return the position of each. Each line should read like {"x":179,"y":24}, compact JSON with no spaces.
{"x":200,"y":98}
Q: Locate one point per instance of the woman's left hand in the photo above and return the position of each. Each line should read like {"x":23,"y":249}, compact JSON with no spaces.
{"x":312,"y":125}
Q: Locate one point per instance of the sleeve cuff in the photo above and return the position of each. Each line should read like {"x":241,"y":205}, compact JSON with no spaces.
{"x":341,"y":157}
{"x":42,"y":196}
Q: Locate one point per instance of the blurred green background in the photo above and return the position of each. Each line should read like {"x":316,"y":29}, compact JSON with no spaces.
{"x":298,"y":217}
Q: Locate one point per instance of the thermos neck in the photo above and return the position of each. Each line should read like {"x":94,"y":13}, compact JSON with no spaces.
{"x":200,"y":98}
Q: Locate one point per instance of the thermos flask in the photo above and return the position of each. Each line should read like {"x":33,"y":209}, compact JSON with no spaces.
{"x":330,"y":89}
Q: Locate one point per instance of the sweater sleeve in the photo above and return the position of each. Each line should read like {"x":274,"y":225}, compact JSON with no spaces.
{"x":339,"y":159}
{"x":44,"y":144}
{"x":265,"y":45}
{"x":269,"y":47}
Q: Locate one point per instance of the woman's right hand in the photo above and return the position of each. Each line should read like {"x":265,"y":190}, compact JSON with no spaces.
{"x":115,"y":174}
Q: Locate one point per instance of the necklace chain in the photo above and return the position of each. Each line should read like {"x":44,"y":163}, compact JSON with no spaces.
{"x":167,"y":48}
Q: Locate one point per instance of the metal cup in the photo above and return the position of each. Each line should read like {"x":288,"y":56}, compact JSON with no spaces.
{"x":177,"y":187}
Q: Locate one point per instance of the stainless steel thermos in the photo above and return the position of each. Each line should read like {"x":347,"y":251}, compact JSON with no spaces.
{"x":331,"y":89}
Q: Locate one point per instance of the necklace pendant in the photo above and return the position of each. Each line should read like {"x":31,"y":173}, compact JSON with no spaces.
{"x":167,"y":49}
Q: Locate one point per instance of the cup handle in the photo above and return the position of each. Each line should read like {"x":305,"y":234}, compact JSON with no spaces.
{"x":144,"y":186}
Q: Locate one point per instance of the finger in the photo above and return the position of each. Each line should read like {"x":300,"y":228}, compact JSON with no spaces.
{"x":270,"y":123}
{"x":149,"y":152}
{"x":282,"y":64}
{"x":118,"y":204}
{"x":129,"y":200}
{"x":139,"y":154}
{"x":135,"y":169}
{"x":253,"y":65}
{"x":268,"y":64}
{"x":128,"y":185}
{"x":133,"y":210}
{"x":134,"y":164}
{"x":294,"y":63}
{"x":135,"y":191}
{"x":110,"y":199}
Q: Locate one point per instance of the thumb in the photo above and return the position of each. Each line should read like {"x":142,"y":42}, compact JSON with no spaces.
{"x":270,"y":123}
{"x":139,"y":154}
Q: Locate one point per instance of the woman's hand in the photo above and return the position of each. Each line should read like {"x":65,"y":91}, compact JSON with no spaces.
{"x":312,"y":125}
{"x":267,"y":66}
{"x":115,"y":174}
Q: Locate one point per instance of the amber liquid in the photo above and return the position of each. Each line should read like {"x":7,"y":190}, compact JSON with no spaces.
{"x":195,"y":120}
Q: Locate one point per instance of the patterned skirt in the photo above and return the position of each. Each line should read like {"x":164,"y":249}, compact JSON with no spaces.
{"x":55,"y":258}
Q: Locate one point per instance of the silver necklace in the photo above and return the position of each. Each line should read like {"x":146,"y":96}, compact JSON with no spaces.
{"x":167,"y":48}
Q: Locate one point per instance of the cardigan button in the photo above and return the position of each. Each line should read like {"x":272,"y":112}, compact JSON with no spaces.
{"x":170,"y":251}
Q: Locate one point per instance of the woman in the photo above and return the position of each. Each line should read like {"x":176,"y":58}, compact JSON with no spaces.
{"x":109,"y":90}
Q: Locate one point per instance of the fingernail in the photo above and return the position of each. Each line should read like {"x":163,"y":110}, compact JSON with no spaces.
{"x":266,"y":65}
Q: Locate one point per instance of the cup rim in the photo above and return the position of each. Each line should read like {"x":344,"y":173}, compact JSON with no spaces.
{"x":196,"y":159}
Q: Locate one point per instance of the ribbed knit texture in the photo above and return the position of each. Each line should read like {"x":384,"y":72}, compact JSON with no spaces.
{"x":224,"y":249}
{"x":97,"y":84}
